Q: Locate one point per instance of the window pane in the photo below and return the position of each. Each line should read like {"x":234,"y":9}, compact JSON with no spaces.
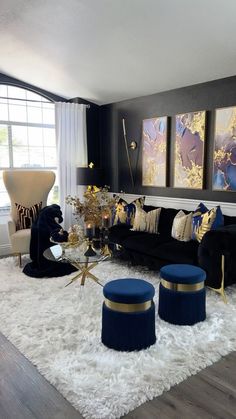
{"x":3,"y":135}
{"x":49,"y":138}
{"x":34,"y":114}
{"x":4,"y":197}
{"x":34,"y":96}
{"x":3,"y":90}
{"x":17,"y":113}
{"x":16,"y":92}
{"x":50,"y":156}
{"x":48,"y":114}
{"x":35,"y":136}
{"x":19,"y":135}
{"x":4,"y":156}
{"x":3,"y":110}
{"x":36,"y":157}
{"x":21,"y":157}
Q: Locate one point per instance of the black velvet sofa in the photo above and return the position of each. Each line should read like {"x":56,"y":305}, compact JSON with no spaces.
{"x":157,"y":250}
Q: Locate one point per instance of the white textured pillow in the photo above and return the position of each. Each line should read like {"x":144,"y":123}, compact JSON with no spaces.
{"x":146,"y":221}
{"x":182,"y":226}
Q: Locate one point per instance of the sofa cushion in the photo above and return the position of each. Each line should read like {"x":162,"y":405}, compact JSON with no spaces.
{"x":178,"y":252}
{"x":228,"y":220}
{"x":117,"y":232}
{"x":144,"y":242}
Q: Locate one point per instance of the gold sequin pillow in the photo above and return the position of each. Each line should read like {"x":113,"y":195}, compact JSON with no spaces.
{"x":182,"y":226}
{"x":146,"y":221}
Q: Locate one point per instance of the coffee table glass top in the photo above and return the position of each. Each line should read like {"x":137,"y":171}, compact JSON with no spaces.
{"x":76,"y":253}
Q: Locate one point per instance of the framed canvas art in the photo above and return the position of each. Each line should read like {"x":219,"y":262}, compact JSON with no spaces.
{"x":154,"y":138}
{"x":224,"y":160}
{"x":189,"y":150}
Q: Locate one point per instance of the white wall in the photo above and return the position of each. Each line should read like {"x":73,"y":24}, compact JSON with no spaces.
{"x":228,"y":208}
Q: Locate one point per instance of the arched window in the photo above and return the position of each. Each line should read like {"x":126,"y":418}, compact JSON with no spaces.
{"x":27,"y":134}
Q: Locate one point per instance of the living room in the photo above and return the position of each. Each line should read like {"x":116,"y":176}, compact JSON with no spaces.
{"x":127,"y":66}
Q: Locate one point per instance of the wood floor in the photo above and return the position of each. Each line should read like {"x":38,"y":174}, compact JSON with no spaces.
{"x":25,"y":394}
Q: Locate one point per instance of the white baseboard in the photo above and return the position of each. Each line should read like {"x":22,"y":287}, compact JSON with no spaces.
{"x":5,"y":249}
{"x":228,"y":208}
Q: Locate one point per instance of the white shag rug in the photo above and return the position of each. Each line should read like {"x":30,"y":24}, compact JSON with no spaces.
{"x":59,"y":330}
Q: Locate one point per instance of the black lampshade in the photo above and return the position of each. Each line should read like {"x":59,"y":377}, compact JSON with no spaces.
{"x":88,"y":176}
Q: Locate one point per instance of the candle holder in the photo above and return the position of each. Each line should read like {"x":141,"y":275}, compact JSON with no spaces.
{"x":89,"y":233}
{"x":90,"y":250}
{"x":105,"y":249}
{"x":106,"y":221}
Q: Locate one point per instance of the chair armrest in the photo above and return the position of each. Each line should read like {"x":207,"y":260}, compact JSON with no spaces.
{"x":214,"y":244}
{"x":11,"y":227}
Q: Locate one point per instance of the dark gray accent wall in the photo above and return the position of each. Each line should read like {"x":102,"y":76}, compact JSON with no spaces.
{"x":205,"y":96}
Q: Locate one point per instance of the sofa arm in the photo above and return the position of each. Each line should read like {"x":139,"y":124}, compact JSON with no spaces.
{"x":214,"y":244}
{"x":11,"y":227}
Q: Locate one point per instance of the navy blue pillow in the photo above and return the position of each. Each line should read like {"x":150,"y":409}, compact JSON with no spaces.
{"x":205,"y":220}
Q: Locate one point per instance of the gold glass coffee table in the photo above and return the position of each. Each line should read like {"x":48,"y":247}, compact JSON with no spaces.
{"x":84,"y":264}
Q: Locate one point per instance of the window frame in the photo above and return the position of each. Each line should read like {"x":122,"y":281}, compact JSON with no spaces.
{"x":4,"y":210}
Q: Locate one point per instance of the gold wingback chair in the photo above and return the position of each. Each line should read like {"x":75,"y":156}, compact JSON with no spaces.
{"x":25,"y":187}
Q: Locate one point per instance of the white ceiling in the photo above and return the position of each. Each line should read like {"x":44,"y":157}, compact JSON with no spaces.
{"x":110,"y":50}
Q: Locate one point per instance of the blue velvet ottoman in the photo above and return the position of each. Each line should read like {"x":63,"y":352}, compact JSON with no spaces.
{"x":128,"y":315}
{"x":182,"y":294}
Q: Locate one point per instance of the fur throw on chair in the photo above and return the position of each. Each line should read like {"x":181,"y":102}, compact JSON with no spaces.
{"x":41,"y":232}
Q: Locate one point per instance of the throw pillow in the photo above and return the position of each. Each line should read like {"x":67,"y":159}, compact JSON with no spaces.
{"x":205,"y":220}
{"x":26,"y":216}
{"x":146,"y":221}
{"x":123,"y":213}
{"x":182,"y":226}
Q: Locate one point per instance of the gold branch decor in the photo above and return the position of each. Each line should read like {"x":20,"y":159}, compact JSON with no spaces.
{"x":94,"y":207}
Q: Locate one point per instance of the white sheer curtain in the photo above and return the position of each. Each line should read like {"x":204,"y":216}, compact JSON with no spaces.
{"x":71,"y":141}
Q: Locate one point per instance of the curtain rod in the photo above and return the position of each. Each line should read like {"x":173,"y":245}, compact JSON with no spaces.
{"x":38,"y":101}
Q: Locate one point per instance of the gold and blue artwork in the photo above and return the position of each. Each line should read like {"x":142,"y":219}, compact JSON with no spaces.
{"x":154,"y":138}
{"x":189,"y":150}
{"x":224,"y":174}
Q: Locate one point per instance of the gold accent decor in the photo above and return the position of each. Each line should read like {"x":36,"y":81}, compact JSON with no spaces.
{"x":127,"y":153}
{"x":133,"y":145}
{"x":96,"y":203}
{"x":128,"y":308}
{"x":221,"y":290}
{"x":182,"y":287}
{"x":106,"y":251}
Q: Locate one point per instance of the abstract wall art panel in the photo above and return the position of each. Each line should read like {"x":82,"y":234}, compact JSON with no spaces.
{"x":154,"y":138}
{"x":189,"y":150}
{"x":224,"y":175}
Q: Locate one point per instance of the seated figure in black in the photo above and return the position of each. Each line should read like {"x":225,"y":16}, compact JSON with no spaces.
{"x":41,"y":232}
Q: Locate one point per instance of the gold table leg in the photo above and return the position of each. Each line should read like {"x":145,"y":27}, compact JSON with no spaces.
{"x":221,"y":290}
{"x":84,"y":272}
